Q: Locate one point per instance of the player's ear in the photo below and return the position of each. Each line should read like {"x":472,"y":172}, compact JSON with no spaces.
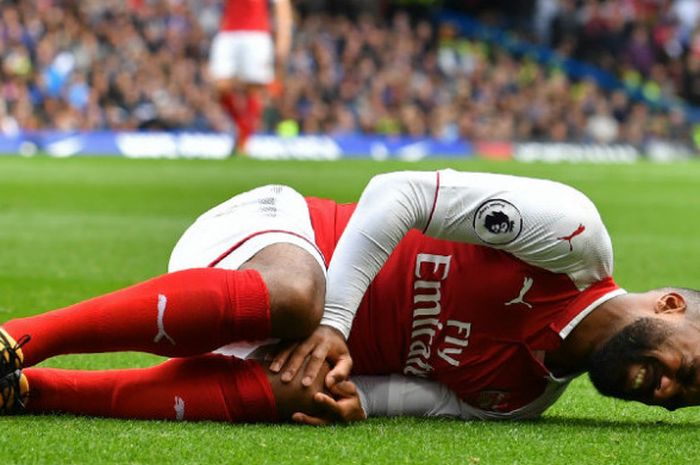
{"x":671,"y":302}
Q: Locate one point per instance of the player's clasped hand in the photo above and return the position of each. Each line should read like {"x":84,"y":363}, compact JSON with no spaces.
{"x":325,"y":343}
{"x":344,"y":406}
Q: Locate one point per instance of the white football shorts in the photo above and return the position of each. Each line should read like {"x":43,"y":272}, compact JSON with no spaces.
{"x":247,"y":56}
{"x":230,"y":234}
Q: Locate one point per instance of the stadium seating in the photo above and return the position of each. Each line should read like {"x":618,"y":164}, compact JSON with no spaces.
{"x":93,"y":65}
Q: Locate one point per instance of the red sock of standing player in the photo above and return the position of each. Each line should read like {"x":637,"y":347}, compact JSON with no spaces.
{"x":250,"y":117}
{"x":209,"y":387}
{"x":253,"y":111}
{"x":179,"y":314}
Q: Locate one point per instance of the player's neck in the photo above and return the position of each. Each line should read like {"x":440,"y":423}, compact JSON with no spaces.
{"x":596,"y":328}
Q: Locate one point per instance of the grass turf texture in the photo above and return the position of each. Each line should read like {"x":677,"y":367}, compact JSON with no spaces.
{"x":71,"y":229}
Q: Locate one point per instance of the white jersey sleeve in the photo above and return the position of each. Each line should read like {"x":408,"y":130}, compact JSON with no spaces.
{"x":544,"y":223}
{"x":397,"y":395}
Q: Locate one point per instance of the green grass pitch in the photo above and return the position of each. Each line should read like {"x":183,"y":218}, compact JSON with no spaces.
{"x":74,"y":228}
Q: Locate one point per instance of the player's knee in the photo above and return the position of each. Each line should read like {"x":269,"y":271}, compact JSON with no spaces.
{"x":298,"y":307}
{"x":253,"y":88}
{"x":292,"y":397}
{"x":224,"y":86}
{"x":296,"y":285}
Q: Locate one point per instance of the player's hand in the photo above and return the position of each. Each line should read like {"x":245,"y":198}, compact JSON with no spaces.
{"x":343,"y":406}
{"x":325,"y":343}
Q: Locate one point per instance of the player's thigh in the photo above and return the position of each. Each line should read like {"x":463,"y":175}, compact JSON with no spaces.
{"x":256,"y":59}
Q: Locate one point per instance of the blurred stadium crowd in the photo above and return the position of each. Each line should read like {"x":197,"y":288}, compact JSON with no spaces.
{"x":652,"y":44}
{"x":140,"y":64}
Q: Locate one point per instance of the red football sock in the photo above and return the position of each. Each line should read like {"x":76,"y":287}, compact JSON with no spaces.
{"x":253,"y":110}
{"x":209,"y":387}
{"x":180,"y":314}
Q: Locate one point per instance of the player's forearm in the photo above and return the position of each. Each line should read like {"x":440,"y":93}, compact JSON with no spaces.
{"x":390,"y":206}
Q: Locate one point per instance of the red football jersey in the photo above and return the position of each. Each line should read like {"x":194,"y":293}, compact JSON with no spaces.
{"x":472,"y":317}
{"x":246,"y":15}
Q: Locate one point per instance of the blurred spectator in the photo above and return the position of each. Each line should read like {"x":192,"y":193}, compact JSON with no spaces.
{"x":8,"y":125}
{"x":602,"y":126}
{"x":648,"y":44}
{"x":639,"y":51}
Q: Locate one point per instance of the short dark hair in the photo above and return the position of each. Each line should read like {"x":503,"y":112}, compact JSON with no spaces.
{"x":609,"y":364}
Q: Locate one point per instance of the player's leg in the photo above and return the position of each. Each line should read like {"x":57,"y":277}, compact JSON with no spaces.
{"x":251,"y":113}
{"x":256,"y":72}
{"x":233,"y":102}
{"x":223,"y":71}
{"x":209,"y":387}
{"x":178,"y":314}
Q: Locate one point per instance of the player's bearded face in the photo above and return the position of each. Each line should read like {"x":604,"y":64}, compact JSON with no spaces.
{"x":651,"y":361}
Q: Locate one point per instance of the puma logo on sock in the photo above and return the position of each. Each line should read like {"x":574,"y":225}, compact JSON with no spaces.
{"x":162,"y":305}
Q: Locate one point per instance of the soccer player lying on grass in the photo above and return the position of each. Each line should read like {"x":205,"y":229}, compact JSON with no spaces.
{"x":472,"y":295}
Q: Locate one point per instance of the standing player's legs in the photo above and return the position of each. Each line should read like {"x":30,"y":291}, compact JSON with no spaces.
{"x":256,"y":73}
{"x":240,"y":66}
{"x":224,"y":68}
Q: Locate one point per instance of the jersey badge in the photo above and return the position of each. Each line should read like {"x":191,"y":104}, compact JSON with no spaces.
{"x":527,"y":284}
{"x":497,"y":222}
{"x":581,"y":228}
